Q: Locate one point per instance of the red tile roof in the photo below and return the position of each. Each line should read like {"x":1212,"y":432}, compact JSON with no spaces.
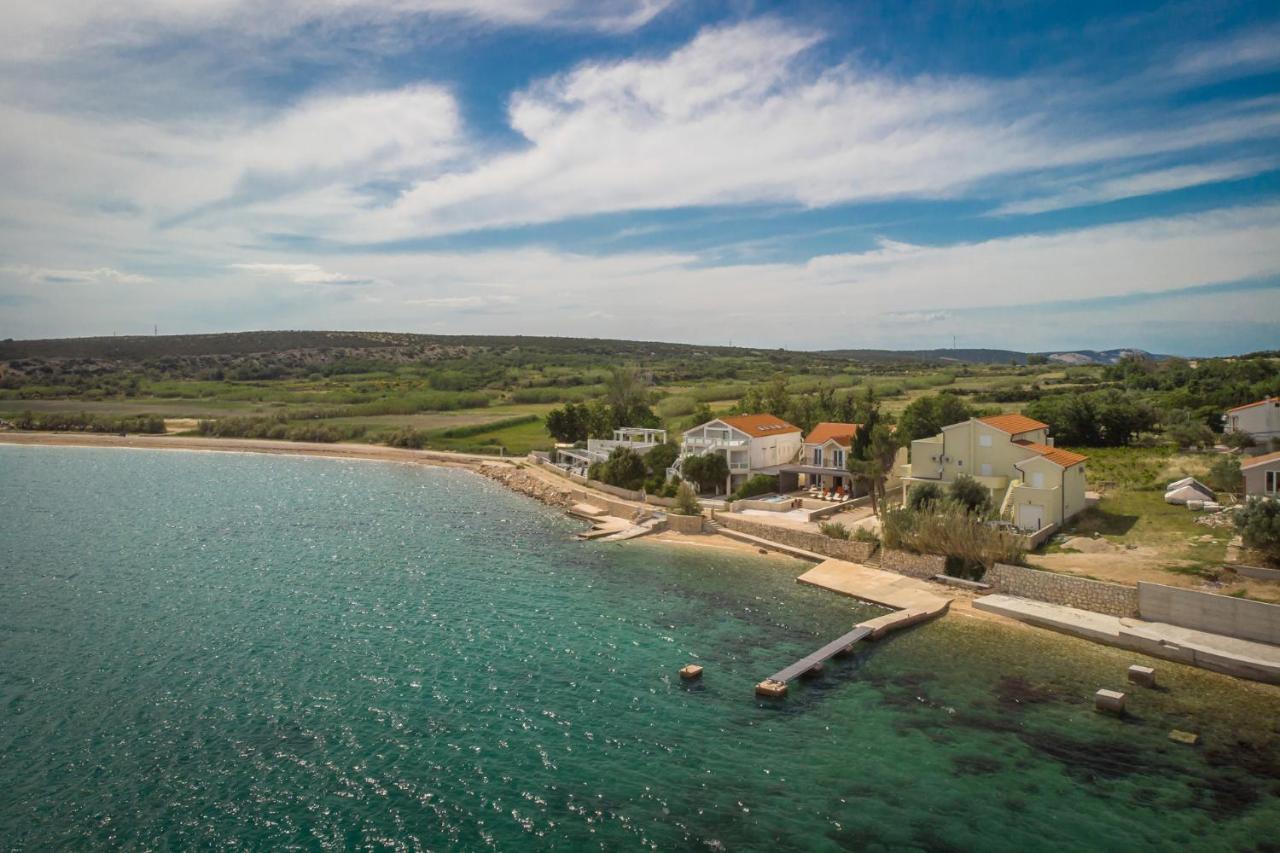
{"x":1056,"y":455}
{"x":841,"y":434}
{"x":760,"y":425}
{"x":1264,"y":459}
{"x":1251,"y":405}
{"x":1013,"y":423}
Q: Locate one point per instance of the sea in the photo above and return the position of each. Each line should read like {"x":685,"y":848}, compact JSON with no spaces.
{"x":236,"y":651}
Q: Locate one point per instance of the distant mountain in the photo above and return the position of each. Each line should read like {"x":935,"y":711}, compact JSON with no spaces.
{"x":404,"y":346}
{"x":1107,"y":356}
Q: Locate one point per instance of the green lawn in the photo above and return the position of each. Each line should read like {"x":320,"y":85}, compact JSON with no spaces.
{"x":1143,"y":518}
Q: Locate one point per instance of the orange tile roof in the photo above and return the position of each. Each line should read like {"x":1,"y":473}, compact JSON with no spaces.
{"x":841,"y":434}
{"x":1261,"y":460}
{"x":1013,"y":423}
{"x":1251,"y":405}
{"x":1056,"y":455}
{"x":760,"y":425}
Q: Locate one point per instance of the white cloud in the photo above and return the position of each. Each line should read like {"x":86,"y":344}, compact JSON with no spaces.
{"x":43,"y":29}
{"x":895,"y":295}
{"x":1140,"y":184}
{"x":737,"y":116}
{"x":47,"y":275}
{"x":301,"y":273}
{"x":463,"y":303}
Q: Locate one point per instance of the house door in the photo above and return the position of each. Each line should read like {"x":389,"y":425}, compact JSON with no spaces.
{"x":1030,"y":516}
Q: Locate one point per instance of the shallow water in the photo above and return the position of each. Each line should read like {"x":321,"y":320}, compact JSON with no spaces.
{"x":216,"y":649}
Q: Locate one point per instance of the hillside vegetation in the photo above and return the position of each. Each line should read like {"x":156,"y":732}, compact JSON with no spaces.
{"x":493,"y":393}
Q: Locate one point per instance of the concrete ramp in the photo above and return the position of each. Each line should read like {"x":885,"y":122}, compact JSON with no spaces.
{"x":878,"y":587}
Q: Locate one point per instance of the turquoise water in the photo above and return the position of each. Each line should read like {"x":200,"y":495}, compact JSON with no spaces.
{"x":216,"y":650}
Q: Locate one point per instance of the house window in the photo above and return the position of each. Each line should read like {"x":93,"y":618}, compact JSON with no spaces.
{"x":837,"y":460}
{"x":986,"y":469}
{"x":1273,"y":482}
{"x":817,"y":456}
{"x":984,"y":441}
{"x":1037,"y":480}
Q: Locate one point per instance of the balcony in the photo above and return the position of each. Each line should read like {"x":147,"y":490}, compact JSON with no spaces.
{"x":693,"y":443}
{"x":739,"y":466}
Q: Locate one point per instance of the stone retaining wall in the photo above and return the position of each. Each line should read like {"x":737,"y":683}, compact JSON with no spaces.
{"x":912,"y":565}
{"x":1204,"y":611}
{"x":684,"y":523}
{"x":840,"y":549}
{"x":1068,"y":590}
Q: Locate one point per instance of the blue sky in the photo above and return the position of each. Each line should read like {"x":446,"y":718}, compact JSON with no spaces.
{"x":808,"y":174}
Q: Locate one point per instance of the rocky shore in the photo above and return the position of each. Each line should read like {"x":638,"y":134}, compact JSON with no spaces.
{"x":527,"y":483}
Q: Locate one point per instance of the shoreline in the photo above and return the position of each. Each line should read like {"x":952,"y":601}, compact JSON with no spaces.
{"x":524,"y":479}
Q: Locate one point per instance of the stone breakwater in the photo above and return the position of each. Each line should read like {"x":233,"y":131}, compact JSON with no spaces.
{"x":520,"y":480}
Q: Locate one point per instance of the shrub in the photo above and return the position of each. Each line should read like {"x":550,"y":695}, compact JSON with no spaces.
{"x":1239,"y":440}
{"x":864,"y":534}
{"x":84,"y":422}
{"x":834,"y":529}
{"x":1224,"y":474}
{"x":492,"y":426}
{"x":686,"y":501}
{"x":970,"y":494}
{"x":407,"y":437}
{"x":950,"y":530}
{"x":758,"y":484}
{"x":1259,"y":524}
{"x":923,"y":494}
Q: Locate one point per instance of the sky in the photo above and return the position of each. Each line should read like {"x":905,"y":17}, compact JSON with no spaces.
{"x":813,"y":174}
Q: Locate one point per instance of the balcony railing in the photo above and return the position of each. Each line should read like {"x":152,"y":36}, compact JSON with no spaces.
{"x":739,"y":466}
{"x":712,"y":443}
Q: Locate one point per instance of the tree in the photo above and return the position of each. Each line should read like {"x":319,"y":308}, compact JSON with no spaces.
{"x":686,"y":501}
{"x":1072,"y":418}
{"x":708,"y":471}
{"x":700,"y":416}
{"x":1182,"y":428}
{"x":660,"y":458}
{"x":569,"y":424}
{"x":1224,"y":474}
{"x":924,"y":417}
{"x":626,"y":394}
{"x":1259,"y":524}
{"x":871,"y":457}
{"x":924,"y":494}
{"x":970,"y":494}
{"x":624,"y":468}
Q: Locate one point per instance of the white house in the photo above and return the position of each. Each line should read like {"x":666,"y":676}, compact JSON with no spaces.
{"x":639,"y":439}
{"x":822,"y":459}
{"x":751,"y":444}
{"x":1031,"y":481}
{"x":1261,"y":420}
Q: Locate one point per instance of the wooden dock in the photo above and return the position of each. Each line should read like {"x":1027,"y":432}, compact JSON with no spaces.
{"x":776,"y":684}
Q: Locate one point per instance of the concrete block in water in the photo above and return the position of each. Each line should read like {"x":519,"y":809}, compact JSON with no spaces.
{"x":772,"y":688}
{"x":1109,"y":701}
{"x":690,"y":671}
{"x":1144,"y":675}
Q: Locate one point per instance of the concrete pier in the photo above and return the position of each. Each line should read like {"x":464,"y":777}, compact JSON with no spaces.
{"x":1143,"y":675}
{"x":1109,"y":701}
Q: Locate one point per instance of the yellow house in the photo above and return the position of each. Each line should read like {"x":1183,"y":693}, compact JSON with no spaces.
{"x":1034,"y":484}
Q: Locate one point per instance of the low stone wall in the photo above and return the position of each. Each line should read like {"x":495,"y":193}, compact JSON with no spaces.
{"x":684,"y":523}
{"x":1204,"y":611}
{"x":840,"y":549}
{"x":912,"y":565}
{"x":1067,"y":590}
{"x":1032,"y":541}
